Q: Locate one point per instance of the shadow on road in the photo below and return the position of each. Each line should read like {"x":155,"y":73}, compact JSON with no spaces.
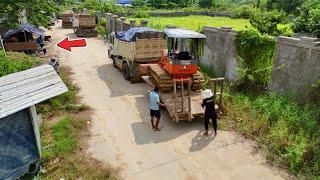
{"x":142,"y":130}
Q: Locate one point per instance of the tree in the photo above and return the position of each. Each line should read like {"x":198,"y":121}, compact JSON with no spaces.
{"x":309,"y":19}
{"x":205,"y":3}
{"x":267,"y":21}
{"x":288,"y":6}
{"x":35,"y":10}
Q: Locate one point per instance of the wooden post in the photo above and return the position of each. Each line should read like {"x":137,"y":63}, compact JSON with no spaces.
{"x":175,"y":99}
{"x":189,"y":99}
{"x":182,"y":94}
{"x":221,"y":94}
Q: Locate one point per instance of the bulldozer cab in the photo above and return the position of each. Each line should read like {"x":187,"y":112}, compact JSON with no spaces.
{"x":184,"y":46}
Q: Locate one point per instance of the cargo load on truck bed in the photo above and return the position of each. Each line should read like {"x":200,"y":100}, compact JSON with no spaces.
{"x":67,"y":20}
{"x":129,"y":49}
{"x":85,"y":26}
{"x":139,"y":44}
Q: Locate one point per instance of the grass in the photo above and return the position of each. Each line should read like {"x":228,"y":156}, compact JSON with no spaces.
{"x":285,"y":127}
{"x":15,"y":62}
{"x":64,"y":131}
{"x":197,"y":22}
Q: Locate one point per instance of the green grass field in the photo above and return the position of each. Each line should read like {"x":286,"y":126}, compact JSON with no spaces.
{"x":197,"y":22}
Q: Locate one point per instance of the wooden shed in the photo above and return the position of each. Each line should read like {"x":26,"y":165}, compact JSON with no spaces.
{"x":20,"y":149}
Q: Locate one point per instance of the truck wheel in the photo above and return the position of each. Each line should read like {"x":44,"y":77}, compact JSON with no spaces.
{"x":113,"y":61}
{"x":126,"y":71}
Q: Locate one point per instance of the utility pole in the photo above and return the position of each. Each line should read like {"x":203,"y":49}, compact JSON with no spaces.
{"x":1,"y":42}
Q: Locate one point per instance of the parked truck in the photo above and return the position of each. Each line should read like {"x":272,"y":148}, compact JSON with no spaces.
{"x":84,"y":25}
{"x":134,"y":47}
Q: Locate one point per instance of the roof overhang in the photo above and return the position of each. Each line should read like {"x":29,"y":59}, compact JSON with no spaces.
{"x":26,"y":88}
{"x":183,"y":34}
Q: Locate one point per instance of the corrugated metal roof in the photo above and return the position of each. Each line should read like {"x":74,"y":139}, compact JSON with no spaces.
{"x":183,"y":33}
{"x":26,"y":88}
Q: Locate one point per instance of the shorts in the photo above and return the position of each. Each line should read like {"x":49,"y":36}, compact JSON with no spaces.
{"x":155,"y":113}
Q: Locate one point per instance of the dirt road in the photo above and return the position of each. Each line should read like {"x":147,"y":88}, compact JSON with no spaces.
{"x":122,"y":136}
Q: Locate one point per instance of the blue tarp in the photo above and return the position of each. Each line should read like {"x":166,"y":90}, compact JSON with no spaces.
{"x":125,"y":1}
{"x":130,"y":35}
{"x":25,"y":27}
{"x":18,"y":147}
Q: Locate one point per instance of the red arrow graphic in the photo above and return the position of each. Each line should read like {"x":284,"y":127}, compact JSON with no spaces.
{"x":68,"y":44}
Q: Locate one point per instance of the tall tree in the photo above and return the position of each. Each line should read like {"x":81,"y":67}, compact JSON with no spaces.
{"x":36,"y":11}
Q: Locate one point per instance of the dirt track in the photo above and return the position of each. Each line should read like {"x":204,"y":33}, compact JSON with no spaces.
{"x":122,"y":136}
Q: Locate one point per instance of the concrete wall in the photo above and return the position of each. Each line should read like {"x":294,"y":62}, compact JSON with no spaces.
{"x":220,"y":51}
{"x":296,"y":64}
{"x":181,"y":13}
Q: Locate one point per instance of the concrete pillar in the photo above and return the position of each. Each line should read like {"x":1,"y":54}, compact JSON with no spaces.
{"x":108,"y":24}
{"x":114,"y":23}
{"x":144,"y":23}
{"x":132,"y":23}
{"x":123,"y":20}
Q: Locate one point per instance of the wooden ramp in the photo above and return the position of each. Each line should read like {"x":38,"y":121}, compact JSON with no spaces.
{"x":168,"y":99}
{"x":196,"y":109}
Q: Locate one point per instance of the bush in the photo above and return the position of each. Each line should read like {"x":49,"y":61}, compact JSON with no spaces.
{"x":286,"y":129}
{"x":267,"y":21}
{"x":141,"y":14}
{"x":309,"y":19}
{"x":205,"y":3}
{"x":255,"y":54}
{"x":245,"y":11}
{"x":15,"y":62}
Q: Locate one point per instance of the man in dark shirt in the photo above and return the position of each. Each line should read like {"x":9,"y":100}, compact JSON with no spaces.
{"x":209,"y":113}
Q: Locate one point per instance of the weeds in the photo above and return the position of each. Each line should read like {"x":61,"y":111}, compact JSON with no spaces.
{"x":15,"y":62}
{"x":62,"y":133}
{"x":286,"y":129}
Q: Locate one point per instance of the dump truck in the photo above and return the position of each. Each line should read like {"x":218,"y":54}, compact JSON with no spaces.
{"x":84,"y":25}
{"x":67,"y":18}
{"x":134,"y":47}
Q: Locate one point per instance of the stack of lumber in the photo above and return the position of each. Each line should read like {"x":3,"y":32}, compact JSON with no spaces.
{"x":197,"y":81}
{"x":67,"y":20}
{"x":86,"y":32}
{"x":86,"y":26}
{"x":21,"y":46}
{"x":87,"y":21}
{"x":160,"y":78}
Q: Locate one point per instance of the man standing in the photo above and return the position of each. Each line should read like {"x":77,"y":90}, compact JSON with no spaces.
{"x":155,"y":104}
{"x":210,"y":112}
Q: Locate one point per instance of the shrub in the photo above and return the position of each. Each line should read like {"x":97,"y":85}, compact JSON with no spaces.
{"x":267,"y":21}
{"x":245,"y":11}
{"x":255,"y":55}
{"x":141,"y":14}
{"x":15,"y":62}
{"x":309,"y":19}
{"x":287,"y":129}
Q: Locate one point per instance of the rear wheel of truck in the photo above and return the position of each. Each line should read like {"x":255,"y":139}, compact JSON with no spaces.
{"x":126,"y":71}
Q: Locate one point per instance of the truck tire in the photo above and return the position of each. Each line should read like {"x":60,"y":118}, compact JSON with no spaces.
{"x":113,"y":61}
{"x":126,"y":71}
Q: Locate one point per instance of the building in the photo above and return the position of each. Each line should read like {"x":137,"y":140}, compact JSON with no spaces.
{"x":20,"y":148}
